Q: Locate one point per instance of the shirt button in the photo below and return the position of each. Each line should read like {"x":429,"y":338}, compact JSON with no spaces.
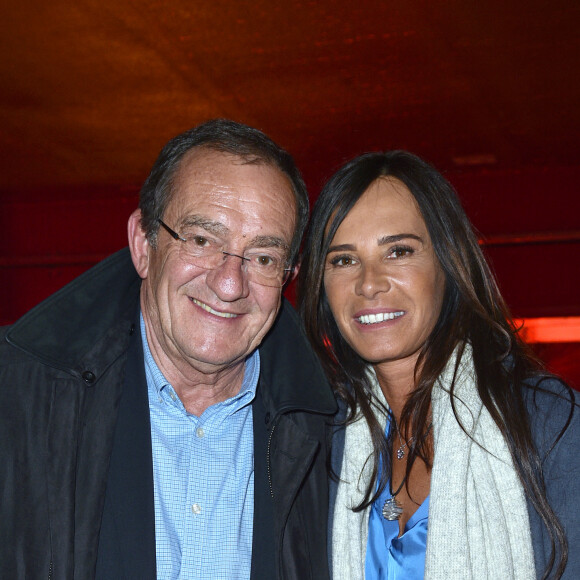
{"x":196,"y":509}
{"x":172,"y":395}
{"x":200,"y":432}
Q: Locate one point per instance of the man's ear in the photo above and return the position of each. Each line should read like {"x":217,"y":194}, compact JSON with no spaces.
{"x":295,"y":271}
{"x":138,"y":244}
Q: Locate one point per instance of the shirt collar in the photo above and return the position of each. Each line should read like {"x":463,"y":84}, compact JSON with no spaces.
{"x":157,"y":381}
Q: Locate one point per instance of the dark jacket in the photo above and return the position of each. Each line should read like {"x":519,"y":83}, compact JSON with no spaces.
{"x":551,"y":414}
{"x":73,"y":402}
{"x":555,"y":425}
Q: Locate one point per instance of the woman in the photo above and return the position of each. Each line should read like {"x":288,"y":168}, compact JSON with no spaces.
{"x":458,"y":456}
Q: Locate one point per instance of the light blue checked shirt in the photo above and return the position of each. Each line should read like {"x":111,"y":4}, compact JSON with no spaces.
{"x":203,"y":471}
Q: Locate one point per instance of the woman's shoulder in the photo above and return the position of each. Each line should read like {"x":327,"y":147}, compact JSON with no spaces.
{"x":554,"y":412}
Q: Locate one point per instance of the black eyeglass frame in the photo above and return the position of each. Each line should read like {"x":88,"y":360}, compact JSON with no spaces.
{"x":176,"y":236}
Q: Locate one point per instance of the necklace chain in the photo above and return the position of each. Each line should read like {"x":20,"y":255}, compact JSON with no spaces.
{"x":401,"y":449}
{"x":403,"y":444}
{"x":392,"y":509}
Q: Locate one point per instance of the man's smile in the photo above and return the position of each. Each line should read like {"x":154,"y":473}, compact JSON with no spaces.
{"x":212,"y":311}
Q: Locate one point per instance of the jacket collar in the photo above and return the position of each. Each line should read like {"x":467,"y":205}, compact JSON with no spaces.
{"x":64,"y":330}
{"x":79,"y":327}
{"x":290,"y":371}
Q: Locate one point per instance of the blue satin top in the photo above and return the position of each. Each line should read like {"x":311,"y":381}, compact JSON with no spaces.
{"x":390,"y":557}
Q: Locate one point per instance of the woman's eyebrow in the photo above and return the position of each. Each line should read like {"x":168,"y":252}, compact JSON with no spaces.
{"x":342,"y":248}
{"x":397,"y":238}
{"x":380,"y":242}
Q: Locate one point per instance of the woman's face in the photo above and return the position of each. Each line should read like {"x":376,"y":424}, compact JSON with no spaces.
{"x":383,"y":281}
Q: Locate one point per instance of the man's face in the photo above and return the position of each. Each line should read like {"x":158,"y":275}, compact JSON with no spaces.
{"x":212,"y":319}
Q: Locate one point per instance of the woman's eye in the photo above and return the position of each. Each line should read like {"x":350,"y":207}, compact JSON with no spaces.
{"x":401,"y":252}
{"x":342,"y":261}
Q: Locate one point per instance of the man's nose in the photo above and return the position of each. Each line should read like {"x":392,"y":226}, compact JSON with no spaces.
{"x":229,"y":279}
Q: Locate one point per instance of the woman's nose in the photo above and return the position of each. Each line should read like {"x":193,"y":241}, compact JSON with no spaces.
{"x":372,"y":279}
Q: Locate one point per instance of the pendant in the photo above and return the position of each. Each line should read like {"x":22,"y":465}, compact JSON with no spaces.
{"x":401,"y":452}
{"x":392,"y":510}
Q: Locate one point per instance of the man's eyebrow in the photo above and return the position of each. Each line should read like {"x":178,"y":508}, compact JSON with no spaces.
{"x":380,"y":242}
{"x":211,"y":226}
{"x":219,"y":229}
{"x":268,"y":242}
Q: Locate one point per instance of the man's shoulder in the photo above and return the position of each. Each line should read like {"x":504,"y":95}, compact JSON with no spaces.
{"x":290,"y":370}
{"x":21,"y":377}
{"x":69,"y":322}
{"x":9,"y":354}
{"x":287,"y":336}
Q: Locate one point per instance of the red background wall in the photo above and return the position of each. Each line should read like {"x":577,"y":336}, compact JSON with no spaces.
{"x":49,"y":237}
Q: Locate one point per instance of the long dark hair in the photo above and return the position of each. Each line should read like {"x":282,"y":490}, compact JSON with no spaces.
{"x":473,"y":312}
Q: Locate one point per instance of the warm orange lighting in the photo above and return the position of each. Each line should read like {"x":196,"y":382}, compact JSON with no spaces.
{"x":555,"y":329}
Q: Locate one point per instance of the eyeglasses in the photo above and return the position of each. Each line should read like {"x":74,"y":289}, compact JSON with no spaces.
{"x":260,"y":267}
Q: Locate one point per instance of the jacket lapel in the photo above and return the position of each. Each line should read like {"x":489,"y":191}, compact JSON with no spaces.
{"x":263,"y":539}
{"x":127,"y":538}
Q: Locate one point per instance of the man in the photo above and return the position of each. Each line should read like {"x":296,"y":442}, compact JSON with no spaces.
{"x":162,"y":416}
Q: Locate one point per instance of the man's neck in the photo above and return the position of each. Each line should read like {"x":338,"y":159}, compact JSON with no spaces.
{"x":197,"y":396}
{"x":197,"y":385}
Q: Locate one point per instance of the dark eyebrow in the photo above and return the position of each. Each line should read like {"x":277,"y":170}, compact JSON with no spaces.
{"x":397,"y":238}
{"x":219,"y":229}
{"x":268,"y":242}
{"x":380,"y":242}
{"x":210,"y":226}
{"x":342,"y":248}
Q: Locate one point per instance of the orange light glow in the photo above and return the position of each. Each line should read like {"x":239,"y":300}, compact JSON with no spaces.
{"x":545,"y":330}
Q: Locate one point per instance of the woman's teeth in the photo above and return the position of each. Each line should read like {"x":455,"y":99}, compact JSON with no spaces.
{"x":380,"y":317}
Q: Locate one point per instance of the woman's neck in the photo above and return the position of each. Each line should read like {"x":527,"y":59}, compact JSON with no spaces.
{"x":397,"y":381}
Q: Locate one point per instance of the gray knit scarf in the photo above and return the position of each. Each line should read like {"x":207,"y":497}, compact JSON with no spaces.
{"x":478,"y":521}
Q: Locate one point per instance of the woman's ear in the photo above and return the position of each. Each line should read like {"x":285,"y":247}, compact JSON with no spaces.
{"x":138,"y":244}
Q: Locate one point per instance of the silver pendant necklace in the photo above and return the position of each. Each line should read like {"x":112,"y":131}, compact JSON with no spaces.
{"x":392,"y":509}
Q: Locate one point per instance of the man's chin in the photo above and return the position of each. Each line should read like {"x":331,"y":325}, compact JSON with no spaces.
{"x":213,"y":362}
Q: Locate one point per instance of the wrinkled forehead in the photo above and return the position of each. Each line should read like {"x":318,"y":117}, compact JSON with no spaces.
{"x":248,"y":199}
{"x":203,"y":171}
{"x":203,"y":164}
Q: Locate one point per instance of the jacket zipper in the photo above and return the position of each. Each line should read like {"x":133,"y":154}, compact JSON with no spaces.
{"x":268,"y":455}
